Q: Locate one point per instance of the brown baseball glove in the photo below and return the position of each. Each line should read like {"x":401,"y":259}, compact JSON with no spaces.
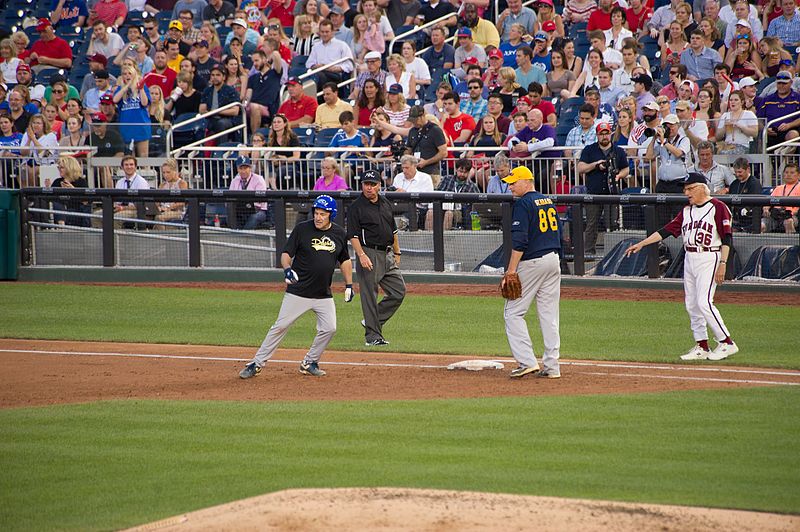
{"x":510,"y":286}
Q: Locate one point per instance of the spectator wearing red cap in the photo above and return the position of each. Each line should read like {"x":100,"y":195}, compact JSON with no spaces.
{"x":484,"y":33}
{"x":547,"y":19}
{"x":467,"y":49}
{"x":69,"y":13}
{"x":299,"y":109}
{"x":49,"y":51}
{"x":112,"y":12}
{"x":606,"y":170}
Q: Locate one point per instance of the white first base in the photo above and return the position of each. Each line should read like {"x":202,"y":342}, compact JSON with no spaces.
{"x":476,"y":365}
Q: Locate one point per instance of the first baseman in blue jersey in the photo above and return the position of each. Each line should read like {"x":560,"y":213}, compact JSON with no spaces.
{"x":535,"y":258}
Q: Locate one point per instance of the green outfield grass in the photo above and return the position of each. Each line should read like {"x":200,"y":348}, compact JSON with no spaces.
{"x":604,"y":330}
{"x":120,"y":463}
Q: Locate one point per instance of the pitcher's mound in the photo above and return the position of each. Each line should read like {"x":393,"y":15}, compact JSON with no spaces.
{"x":389,"y":509}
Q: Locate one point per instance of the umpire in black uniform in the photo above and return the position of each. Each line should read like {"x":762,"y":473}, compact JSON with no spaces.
{"x":373,"y":234}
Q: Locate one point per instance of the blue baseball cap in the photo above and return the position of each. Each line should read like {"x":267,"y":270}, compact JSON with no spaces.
{"x":243,"y":161}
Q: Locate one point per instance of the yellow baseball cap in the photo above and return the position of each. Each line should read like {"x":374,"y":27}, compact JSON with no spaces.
{"x":518,"y":173}
{"x":176,"y":24}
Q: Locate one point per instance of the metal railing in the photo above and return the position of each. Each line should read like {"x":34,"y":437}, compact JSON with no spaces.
{"x":418,"y":29}
{"x":242,"y":126}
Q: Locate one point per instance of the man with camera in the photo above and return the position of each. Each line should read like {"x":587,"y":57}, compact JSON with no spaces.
{"x":671,"y":148}
{"x":426,"y":142}
{"x":777,"y":219}
{"x":606,"y":168}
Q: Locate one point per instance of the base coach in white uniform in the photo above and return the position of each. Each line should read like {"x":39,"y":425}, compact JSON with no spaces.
{"x":707,"y":237}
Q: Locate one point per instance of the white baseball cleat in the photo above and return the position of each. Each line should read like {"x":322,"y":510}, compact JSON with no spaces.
{"x":723,"y":350}
{"x":696,"y":353}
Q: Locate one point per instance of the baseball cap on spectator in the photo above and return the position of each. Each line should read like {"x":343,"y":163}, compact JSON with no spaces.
{"x":98,"y":58}
{"x":671,"y":119}
{"x":743,"y":22}
{"x":372,"y":55}
{"x":746,"y":82}
{"x":416,"y":111}
{"x":203,"y":43}
{"x":603,"y":126}
{"x":243,"y":161}
{"x":42,"y":24}
{"x":783,"y":77}
{"x":523,"y":99}
{"x":517,"y":174}
{"x":653,"y":106}
{"x":370,"y":176}
{"x":644,"y":79}
{"x":336,"y":10}
{"x":547,"y":2}
{"x":548,"y":25}
{"x":37,"y":93}
{"x":240,"y":21}
{"x":102,"y":74}
{"x":396,"y":88}
{"x":688,"y":82}
{"x":23,"y":67}
{"x":107,"y":99}
{"x":464,"y":32}
{"x":540,"y":37}
{"x":176,"y":25}
{"x":786,"y":62}
{"x":99,"y":118}
{"x":495,"y":54}
{"x":293,"y":81}
{"x":471,"y":61}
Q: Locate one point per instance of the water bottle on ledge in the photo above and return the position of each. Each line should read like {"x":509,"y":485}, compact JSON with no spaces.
{"x":476,"y":221}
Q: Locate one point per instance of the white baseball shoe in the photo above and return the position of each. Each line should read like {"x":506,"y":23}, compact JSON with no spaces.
{"x":696,"y":353}
{"x":723,"y":351}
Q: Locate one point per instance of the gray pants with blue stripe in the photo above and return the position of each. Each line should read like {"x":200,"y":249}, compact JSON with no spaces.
{"x":541,"y":282}
{"x":291,"y":309}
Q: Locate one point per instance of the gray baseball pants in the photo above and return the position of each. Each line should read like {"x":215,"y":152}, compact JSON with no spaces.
{"x":385,"y":274}
{"x":292,"y":308}
{"x":541,"y":282}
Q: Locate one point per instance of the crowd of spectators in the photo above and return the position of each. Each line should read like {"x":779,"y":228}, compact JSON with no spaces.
{"x":493,"y":85}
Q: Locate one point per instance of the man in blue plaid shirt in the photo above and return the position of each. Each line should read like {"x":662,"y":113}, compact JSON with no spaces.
{"x":583,"y":134}
{"x":786,"y":27}
{"x":476,"y":105}
{"x":458,"y":183}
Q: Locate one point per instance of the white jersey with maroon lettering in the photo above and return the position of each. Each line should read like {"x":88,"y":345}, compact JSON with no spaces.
{"x":703,"y":227}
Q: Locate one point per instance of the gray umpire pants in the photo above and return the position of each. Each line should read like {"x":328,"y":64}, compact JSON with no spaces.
{"x":385,"y":274}
{"x":292,"y":308}
{"x":541,"y":281}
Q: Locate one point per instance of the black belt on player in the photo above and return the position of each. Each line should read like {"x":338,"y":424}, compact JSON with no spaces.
{"x":385,"y":249}
{"x":700,"y":249}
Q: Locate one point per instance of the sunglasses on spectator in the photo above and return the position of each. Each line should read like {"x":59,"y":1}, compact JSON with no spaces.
{"x":273,"y":27}
{"x":786,"y":62}
{"x":744,"y":36}
{"x":474,"y":87}
{"x":58,"y":91}
{"x":662,"y":102}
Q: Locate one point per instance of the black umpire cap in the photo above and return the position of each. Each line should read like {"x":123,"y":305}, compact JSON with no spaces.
{"x":370,"y":176}
{"x":695,"y":177}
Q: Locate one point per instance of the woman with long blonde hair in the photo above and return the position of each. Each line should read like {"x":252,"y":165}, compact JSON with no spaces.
{"x":171,"y":180}
{"x":156,"y":107}
{"x":132,"y":98}
{"x":70,"y":176}
{"x":303,"y":38}
{"x":275,"y":31}
{"x":510,"y":90}
{"x":209,"y":33}
{"x":8,"y":61}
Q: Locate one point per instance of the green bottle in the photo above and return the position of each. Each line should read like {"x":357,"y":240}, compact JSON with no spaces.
{"x":476,"y":221}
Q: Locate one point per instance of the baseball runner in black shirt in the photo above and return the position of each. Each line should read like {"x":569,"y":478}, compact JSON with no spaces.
{"x":373,"y":234}
{"x":312,"y":252}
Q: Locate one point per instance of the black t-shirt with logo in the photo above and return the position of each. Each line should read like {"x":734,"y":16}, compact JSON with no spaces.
{"x":110,"y":145}
{"x":316,"y":254}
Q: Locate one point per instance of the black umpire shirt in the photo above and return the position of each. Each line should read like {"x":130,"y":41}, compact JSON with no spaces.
{"x":372,"y":223}
{"x":315,"y":255}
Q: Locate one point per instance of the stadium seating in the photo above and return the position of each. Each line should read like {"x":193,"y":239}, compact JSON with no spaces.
{"x":307,"y":135}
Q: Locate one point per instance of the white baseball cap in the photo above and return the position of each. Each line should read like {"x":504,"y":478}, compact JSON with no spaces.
{"x":240,"y":21}
{"x":743,"y":22}
{"x":671,"y":119}
{"x":372,"y":55}
{"x":746,"y":82}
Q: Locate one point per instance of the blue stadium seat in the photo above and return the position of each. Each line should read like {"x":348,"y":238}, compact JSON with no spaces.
{"x":307,"y":135}
{"x":324,"y":136}
{"x":764,"y":83}
{"x":575,"y":30}
{"x":44,"y":75}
